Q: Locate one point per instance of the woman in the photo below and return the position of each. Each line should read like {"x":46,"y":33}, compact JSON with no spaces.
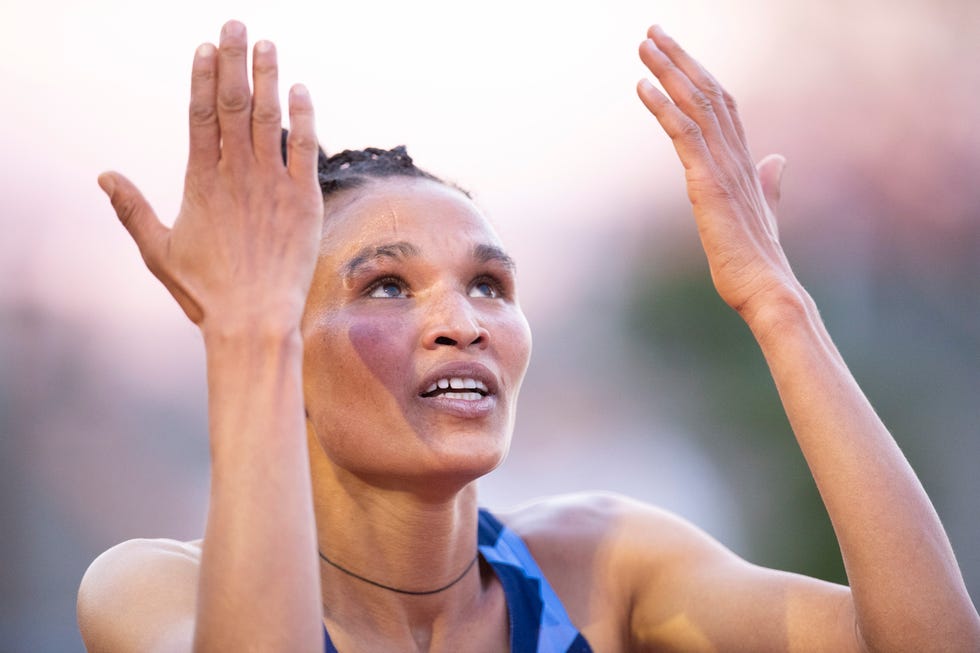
{"x":365,"y":349}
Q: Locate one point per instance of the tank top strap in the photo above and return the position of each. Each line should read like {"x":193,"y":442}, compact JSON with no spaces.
{"x":538,"y":621}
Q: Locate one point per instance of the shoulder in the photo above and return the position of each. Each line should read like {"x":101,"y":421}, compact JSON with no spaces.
{"x":593,"y":520}
{"x":668,"y":585}
{"x":603,"y":553}
{"x":140,"y":595}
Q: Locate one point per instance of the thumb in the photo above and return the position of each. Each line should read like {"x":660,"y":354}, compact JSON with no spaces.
{"x":770,"y":171}
{"x":135,"y":214}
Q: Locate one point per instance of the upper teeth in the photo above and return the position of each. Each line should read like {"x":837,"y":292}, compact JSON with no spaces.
{"x":458,"y":383}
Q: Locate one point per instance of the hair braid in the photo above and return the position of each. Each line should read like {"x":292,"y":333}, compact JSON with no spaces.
{"x":353,"y":168}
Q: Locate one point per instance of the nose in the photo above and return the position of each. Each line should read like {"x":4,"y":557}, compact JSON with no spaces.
{"x":451,"y":320}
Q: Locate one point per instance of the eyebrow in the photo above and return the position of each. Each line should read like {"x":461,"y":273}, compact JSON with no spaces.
{"x":483,"y":253}
{"x":487,"y":253}
{"x":397,"y":250}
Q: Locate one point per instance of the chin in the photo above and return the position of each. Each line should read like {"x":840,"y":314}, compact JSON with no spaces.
{"x":441,"y":469}
{"x":469,"y":459}
{"x":432,"y":461}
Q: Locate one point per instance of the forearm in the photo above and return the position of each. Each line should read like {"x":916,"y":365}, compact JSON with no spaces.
{"x":907,"y":588}
{"x":259,"y":583}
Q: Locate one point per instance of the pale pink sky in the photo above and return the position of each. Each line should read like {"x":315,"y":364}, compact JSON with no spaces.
{"x":530,"y":104}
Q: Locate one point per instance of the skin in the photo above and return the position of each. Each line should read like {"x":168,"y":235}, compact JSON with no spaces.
{"x":450,"y":307}
{"x":321,"y":337}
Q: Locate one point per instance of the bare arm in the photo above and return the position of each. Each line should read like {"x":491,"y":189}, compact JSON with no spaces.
{"x":239,"y":260}
{"x":906,"y":590}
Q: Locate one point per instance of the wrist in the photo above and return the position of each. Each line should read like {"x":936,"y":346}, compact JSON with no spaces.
{"x":246,"y":341}
{"x":250,"y":330}
{"x":778,"y":311}
{"x":254,"y":386}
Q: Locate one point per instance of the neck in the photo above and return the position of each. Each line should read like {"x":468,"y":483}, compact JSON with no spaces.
{"x":400,"y":590}
{"x":397,"y":538}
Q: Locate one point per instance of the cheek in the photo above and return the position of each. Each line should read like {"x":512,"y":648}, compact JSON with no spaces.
{"x":514,"y":344}
{"x":345,"y":354}
{"x":383,"y":344}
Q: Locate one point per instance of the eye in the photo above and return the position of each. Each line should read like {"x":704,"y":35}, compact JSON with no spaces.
{"x":485,"y":288}
{"x":388,"y":288}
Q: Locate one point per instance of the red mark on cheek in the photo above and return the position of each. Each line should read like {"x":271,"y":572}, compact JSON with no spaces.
{"x":385,"y":345}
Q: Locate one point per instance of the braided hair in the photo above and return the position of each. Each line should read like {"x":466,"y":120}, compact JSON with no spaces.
{"x":353,"y":168}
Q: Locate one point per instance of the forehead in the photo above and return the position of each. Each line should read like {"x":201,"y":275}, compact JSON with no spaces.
{"x":419,"y":211}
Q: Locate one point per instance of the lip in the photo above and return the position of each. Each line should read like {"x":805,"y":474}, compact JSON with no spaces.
{"x":461,"y":369}
{"x":461,"y":408}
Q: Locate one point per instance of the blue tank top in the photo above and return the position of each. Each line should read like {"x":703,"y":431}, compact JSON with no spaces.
{"x":538,"y":621}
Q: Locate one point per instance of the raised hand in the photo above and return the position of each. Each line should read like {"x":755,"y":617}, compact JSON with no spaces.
{"x":734,"y":201}
{"x":242,"y":250}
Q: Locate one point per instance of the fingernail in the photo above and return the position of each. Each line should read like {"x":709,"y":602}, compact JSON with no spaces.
{"x":205,"y":50}
{"x":263,"y":47}
{"x":658,"y":30}
{"x":232,"y":28}
{"x":300,"y":91}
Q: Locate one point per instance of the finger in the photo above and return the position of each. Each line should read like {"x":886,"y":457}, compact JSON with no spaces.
{"x":301,"y":144}
{"x":136,"y":216}
{"x":682,"y":130}
{"x":691,"y":100}
{"x":770,"y":170}
{"x":266,"y":114}
{"x":204,"y":134}
{"x":234,"y":98}
{"x":722,"y":103}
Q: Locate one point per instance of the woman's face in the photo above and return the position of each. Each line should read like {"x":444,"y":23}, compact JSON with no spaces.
{"x":414,"y":343}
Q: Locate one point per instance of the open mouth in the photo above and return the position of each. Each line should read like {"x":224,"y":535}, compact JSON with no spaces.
{"x":464,"y":388}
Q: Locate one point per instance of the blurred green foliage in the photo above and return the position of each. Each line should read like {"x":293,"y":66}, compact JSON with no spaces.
{"x":725,"y":395}
{"x":901,"y":299}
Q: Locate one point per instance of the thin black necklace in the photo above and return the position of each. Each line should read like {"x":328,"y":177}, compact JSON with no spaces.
{"x":395,"y":589}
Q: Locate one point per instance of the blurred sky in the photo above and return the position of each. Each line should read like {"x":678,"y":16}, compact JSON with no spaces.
{"x":529,"y":104}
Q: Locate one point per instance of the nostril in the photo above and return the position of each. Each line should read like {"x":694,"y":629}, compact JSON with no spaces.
{"x":443,"y":340}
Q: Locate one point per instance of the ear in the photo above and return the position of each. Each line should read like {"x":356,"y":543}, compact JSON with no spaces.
{"x":770,"y":171}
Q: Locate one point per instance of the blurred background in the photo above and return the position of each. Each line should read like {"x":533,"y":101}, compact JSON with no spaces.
{"x":641,"y":382}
